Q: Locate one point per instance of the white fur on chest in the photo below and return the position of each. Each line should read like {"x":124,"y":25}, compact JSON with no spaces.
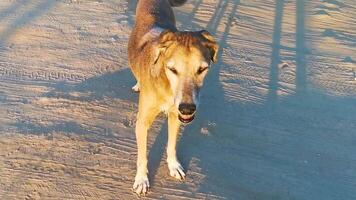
{"x":168,"y":105}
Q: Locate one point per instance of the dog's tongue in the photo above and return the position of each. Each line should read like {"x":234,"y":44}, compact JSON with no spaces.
{"x":185,"y":119}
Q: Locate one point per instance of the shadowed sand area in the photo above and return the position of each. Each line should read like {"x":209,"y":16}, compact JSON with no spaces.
{"x":276,"y":120}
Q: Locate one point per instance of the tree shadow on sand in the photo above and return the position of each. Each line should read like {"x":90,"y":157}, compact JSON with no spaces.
{"x":19,"y":22}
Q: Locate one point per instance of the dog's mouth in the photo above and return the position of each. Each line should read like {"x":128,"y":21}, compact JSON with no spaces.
{"x":186,"y":118}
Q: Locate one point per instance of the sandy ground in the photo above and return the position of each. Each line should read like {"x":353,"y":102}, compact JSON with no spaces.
{"x":277,"y":118}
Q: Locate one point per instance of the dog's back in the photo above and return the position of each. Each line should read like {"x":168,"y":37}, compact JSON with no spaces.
{"x":151,"y":14}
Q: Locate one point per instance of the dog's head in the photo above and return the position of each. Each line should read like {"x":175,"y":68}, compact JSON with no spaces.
{"x":184,"y":58}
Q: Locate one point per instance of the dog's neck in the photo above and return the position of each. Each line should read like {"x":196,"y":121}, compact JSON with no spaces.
{"x":151,"y":35}
{"x":155,"y":31}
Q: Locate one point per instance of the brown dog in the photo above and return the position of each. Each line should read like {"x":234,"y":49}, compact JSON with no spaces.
{"x":169,"y":66}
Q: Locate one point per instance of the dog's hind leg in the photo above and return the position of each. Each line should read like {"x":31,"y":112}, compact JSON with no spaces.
{"x":175,"y":168}
{"x":146,"y":114}
{"x":136,"y":88}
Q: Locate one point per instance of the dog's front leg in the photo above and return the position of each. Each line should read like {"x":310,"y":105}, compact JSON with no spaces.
{"x":175,"y":168}
{"x":146,"y":115}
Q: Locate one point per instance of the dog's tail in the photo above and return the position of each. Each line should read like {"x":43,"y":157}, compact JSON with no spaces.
{"x":176,"y":3}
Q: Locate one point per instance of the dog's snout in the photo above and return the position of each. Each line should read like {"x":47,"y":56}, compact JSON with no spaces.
{"x":187,"y":108}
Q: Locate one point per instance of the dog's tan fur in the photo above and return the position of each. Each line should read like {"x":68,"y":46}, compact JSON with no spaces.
{"x":169,"y":67}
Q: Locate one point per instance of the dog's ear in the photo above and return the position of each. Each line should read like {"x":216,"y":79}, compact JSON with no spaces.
{"x":209,"y":42}
{"x":165,"y":40}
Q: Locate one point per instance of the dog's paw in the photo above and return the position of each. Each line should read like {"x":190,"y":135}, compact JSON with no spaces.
{"x":176,"y":170}
{"x":136,"y":88}
{"x":141,"y":185}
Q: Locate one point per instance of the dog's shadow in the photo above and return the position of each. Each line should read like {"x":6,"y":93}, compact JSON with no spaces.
{"x":116,"y":84}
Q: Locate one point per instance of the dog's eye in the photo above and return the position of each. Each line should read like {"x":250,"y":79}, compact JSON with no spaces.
{"x":174,"y":71}
{"x":201,"y":70}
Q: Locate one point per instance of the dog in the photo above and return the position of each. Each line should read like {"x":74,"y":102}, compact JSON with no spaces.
{"x":170,"y":67}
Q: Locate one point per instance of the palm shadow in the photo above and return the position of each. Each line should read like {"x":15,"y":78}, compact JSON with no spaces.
{"x":19,"y":22}
{"x":9,"y":10}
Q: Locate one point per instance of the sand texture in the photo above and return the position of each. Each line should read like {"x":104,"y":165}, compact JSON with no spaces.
{"x":277,"y":118}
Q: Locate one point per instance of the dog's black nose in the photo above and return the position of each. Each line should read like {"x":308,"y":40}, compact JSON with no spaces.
{"x":186,"y":108}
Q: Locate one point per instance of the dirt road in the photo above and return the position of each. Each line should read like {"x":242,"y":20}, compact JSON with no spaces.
{"x":277,"y":118}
